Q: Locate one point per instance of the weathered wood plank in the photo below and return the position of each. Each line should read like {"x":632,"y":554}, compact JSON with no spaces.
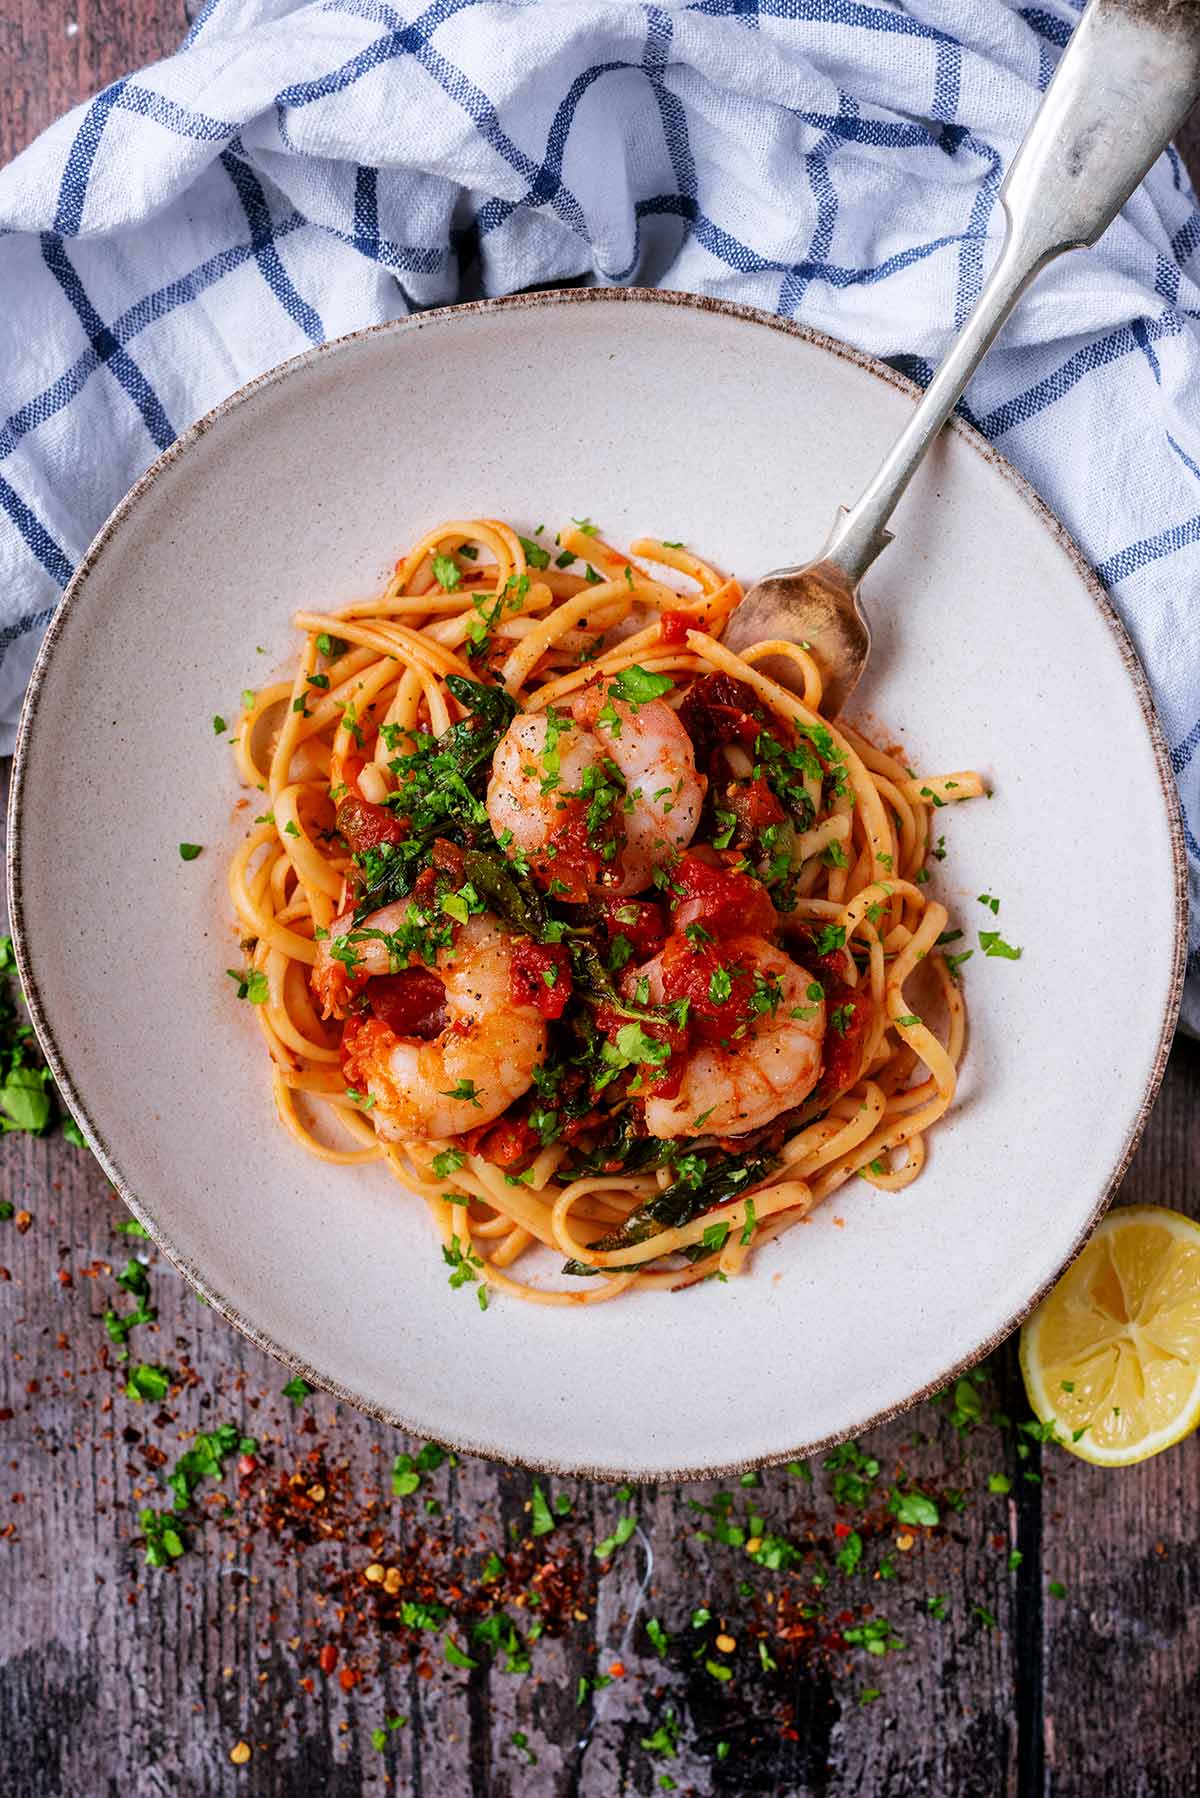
{"x":54,"y":53}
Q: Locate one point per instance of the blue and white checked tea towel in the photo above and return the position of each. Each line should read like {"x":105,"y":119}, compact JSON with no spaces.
{"x":304,"y":167}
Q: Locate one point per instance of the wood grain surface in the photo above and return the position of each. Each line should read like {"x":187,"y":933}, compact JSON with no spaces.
{"x":1050,"y":1633}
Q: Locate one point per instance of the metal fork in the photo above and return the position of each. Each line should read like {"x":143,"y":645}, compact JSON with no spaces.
{"x":1123,"y":86}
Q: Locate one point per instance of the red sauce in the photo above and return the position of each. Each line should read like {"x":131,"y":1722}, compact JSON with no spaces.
{"x":411,"y":1003}
{"x":638,"y":920}
{"x":673,"y":627}
{"x":530,"y":981}
{"x":843,"y":1050}
{"x":366,"y":826}
{"x":753,"y":805}
{"x":687,"y":974}
{"x":569,"y":865}
{"x":726,"y":903}
{"x":352,"y":767}
{"x":719,"y":709}
{"x":510,"y":1143}
{"x":445,"y":864}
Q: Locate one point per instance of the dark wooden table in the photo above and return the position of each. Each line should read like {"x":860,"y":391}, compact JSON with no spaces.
{"x":1051,"y":1631}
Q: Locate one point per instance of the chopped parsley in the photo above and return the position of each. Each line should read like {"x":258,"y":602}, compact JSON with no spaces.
{"x":447,"y":573}
{"x":541,"y":1516}
{"x":463,"y":1089}
{"x":189,"y":851}
{"x":992,"y":943}
{"x":535,"y":555}
{"x":251,"y":984}
{"x":637,"y":686}
{"x":464,"y":1267}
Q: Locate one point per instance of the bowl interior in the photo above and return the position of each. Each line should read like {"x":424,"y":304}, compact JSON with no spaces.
{"x":991,"y":650}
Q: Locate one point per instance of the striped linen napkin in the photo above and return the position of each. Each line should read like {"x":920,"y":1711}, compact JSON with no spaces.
{"x":304,"y":167}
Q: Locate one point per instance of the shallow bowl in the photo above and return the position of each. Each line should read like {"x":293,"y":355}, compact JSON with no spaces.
{"x":994,"y":648}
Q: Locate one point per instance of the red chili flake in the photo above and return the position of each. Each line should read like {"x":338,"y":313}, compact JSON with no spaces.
{"x":328,"y":1658}
{"x":842,"y":1529}
{"x":348,"y":1678}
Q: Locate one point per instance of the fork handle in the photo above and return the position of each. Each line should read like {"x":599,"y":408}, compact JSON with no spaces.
{"x":1122,"y":87}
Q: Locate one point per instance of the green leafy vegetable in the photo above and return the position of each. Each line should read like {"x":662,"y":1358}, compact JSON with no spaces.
{"x":914,"y":1508}
{"x":147,"y":1381}
{"x":447,"y":573}
{"x":455,"y":1655}
{"x":992,"y":943}
{"x":542,"y":1518}
{"x":724,"y":1178}
{"x":252,"y":984}
{"x":636,"y":685}
{"x":535,"y":555}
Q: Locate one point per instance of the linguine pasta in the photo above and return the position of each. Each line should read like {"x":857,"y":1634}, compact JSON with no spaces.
{"x":530,"y":830}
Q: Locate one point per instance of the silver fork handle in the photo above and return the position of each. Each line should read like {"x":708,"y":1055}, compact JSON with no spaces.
{"x":1123,"y":86}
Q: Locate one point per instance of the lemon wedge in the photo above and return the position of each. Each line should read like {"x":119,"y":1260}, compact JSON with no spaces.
{"x":1112,"y":1355}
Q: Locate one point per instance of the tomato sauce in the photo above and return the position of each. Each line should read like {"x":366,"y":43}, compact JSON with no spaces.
{"x":446,"y":866}
{"x":411,"y":1003}
{"x":640,"y":921}
{"x":688,"y":974}
{"x":540,"y":975}
{"x":512,"y":1142}
{"x":365,"y":826}
{"x":719,"y":709}
{"x":569,"y":864}
{"x":724,"y":902}
{"x":753,"y":805}
{"x":851,"y":1005}
{"x":673,"y":627}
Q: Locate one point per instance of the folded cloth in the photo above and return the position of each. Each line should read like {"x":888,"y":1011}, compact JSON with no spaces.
{"x":301,"y":169}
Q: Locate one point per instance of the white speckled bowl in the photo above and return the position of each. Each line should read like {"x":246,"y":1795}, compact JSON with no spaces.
{"x":994,"y":647}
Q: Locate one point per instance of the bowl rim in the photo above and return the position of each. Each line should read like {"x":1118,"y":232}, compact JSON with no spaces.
{"x":535,"y":301}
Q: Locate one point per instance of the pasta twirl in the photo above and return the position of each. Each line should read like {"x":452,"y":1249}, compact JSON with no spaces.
{"x":598,"y":938}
